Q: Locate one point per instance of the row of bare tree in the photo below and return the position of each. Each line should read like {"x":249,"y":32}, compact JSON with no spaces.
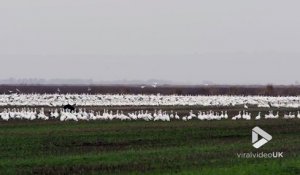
{"x":167,"y":89}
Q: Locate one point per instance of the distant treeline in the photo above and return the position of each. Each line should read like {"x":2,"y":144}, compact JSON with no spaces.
{"x":166,"y":90}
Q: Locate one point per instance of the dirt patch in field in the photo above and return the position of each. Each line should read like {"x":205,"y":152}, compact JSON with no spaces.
{"x":99,"y":144}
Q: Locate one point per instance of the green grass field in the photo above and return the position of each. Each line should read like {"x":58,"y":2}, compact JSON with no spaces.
{"x":138,"y":147}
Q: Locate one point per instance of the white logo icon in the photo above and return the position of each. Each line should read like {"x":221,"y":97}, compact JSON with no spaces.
{"x":266,"y":137}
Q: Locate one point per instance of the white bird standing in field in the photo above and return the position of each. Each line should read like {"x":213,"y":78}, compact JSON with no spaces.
{"x":71,"y":116}
{"x":200,"y":116}
{"x":239,"y":116}
{"x":42,"y":115}
{"x":4,"y":115}
{"x":166,"y":117}
{"x":258,"y":116}
{"x":289,"y":116}
{"x":172,"y":115}
{"x":191,"y":115}
{"x":226,"y":115}
{"x":277,"y":115}
{"x":148,"y":116}
{"x":246,"y":116}
{"x":63,"y":116}
{"x":292,"y":115}
{"x":158,"y":116}
{"x":92,"y":115}
{"x":133,"y":116}
{"x":33,"y":115}
{"x":54,"y":114}
{"x":271,"y":115}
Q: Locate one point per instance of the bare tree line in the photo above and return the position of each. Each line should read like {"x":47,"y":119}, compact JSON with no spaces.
{"x":165,"y":90}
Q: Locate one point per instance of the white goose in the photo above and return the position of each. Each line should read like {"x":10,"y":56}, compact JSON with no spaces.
{"x":177,"y":116}
{"x":258,"y":117}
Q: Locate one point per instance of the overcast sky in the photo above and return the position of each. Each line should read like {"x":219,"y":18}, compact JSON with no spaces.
{"x":191,"y":41}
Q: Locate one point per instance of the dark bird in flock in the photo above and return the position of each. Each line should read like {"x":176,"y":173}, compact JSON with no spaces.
{"x":69,"y":107}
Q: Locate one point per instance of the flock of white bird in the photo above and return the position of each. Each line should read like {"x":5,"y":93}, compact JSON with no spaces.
{"x":82,"y":114}
{"x":270,"y":115}
{"x":57,"y":100}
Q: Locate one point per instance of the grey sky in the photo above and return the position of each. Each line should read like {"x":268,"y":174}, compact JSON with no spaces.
{"x":233,"y":41}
